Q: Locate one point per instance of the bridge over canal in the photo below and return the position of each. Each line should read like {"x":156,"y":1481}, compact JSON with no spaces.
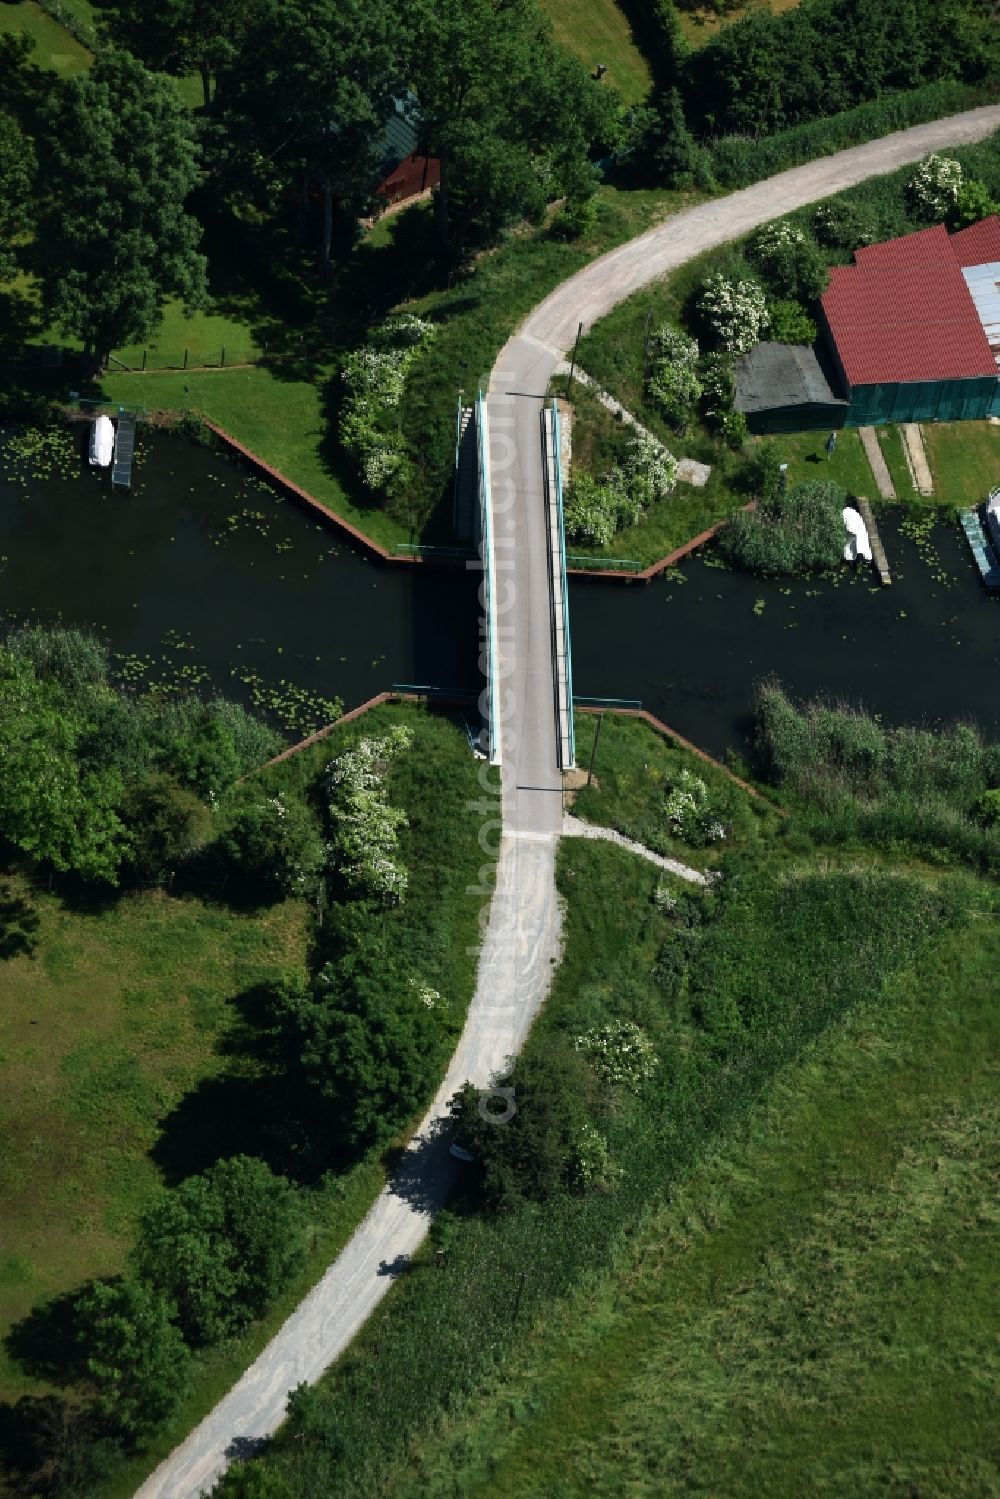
{"x":522,"y":934}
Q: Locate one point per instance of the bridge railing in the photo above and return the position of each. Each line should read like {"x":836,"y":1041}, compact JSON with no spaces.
{"x":567,"y":637}
{"x":488,"y":556}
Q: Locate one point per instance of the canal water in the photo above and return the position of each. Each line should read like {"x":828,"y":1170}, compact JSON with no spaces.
{"x":203,"y":576}
{"x":924,"y":650}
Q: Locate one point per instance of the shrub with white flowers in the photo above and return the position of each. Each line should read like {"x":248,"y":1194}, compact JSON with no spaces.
{"x":590,"y":1165}
{"x":596,"y":508}
{"x":735,"y":311}
{"x":688,"y":812}
{"x":365,"y":828}
{"x":673,"y":373}
{"x":935,"y":186}
{"x":620,"y":1053}
{"x":375,"y":377}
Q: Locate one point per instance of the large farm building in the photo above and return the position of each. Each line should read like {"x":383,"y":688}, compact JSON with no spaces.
{"x":911,"y":332}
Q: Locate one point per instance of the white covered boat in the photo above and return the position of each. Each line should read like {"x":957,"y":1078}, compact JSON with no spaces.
{"x":102,"y":442}
{"x":857,"y":544}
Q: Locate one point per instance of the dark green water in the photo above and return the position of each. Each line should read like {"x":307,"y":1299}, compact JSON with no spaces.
{"x":921,"y":651}
{"x":202,"y":576}
{"x":211,"y":578}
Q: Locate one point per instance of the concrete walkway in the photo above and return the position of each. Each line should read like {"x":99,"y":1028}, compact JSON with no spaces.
{"x":876,"y":460}
{"x":689,"y":471}
{"x":575,"y":827}
{"x":916,"y":459}
{"x":522,"y":938}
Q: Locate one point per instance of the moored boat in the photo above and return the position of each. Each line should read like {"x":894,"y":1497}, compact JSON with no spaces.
{"x":102,"y":442}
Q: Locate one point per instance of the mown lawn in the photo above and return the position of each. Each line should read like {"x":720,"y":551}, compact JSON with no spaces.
{"x":964,"y":458}
{"x":597,"y":31}
{"x":54,"y":47}
{"x":117,"y":1013}
{"x":816,"y":1311}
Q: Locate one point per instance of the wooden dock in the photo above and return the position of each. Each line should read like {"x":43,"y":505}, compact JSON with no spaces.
{"x":982,"y":549}
{"x":878,"y":550}
{"x":121,"y":473}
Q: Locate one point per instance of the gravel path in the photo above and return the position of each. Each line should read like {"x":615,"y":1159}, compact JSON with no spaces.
{"x":522,"y":935}
{"x":575,"y":827}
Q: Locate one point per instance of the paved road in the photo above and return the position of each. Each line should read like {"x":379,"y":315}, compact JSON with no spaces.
{"x":522,"y":935}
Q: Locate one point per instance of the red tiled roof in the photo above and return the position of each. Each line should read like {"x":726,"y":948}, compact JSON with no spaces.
{"x":979,"y":244}
{"x":903,"y":312}
{"x":923,"y":245}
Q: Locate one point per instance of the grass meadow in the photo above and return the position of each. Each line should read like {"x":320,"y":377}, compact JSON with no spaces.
{"x":598,"y":31}
{"x":55,"y":48}
{"x":785,"y":1263}
{"x":815,"y":1311}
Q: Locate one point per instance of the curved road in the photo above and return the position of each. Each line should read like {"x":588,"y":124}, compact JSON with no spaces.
{"x":522,"y":933}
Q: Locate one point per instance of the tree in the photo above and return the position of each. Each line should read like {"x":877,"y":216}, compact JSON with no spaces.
{"x":168,"y":824}
{"x":222,"y":1245}
{"x":120,"y":161}
{"x":669,"y":144}
{"x":17,"y":172}
{"x":310,"y":99}
{"x":182,"y":36}
{"x":369,"y":1040}
{"x":133,"y":1353}
{"x":511,"y":116}
{"x":51,"y":807}
{"x":273,"y":842}
{"x":530,"y":1154}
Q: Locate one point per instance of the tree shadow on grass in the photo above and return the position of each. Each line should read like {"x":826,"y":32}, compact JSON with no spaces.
{"x":43,"y":1344}
{"x":48,"y":1447}
{"x":259,"y":1108}
{"x":18,"y":924}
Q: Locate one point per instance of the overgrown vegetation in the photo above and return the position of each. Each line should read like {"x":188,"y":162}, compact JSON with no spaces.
{"x":708,"y":994}
{"x":862,"y":782}
{"x":328,"y":1063}
{"x":797,"y":528}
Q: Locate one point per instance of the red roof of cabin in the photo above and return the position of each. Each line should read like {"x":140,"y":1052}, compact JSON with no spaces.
{"x":979,"y":244}
{"x":903,"y":312}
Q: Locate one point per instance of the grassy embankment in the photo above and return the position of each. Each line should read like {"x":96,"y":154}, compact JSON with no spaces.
{"x":129,"y":1053}
{"x":790,"y":1181}
{"x":634,"y":767}
{"x":815,"y":1311}
{"x":963,"y":456}
{"x":285,"y":412}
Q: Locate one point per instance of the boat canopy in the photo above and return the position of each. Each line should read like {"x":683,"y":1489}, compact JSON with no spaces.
{"x":102,"y":442}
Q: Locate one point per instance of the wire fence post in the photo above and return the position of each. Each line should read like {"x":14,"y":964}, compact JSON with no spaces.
{"x":222,"y":362}
{"x":185,"y":358}
{"x":593,"y":752}
{"x":144,"y":353}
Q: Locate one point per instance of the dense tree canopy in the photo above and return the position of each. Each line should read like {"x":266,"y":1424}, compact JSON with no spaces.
{"x":120,"y":161}
{"x":183,"y":36}
{"x":767,"y":72}
{"x":133,"y":1354}
{"x":17,"y":171}
{"x":222,"y":1245}
{"x":368,"y":1039}
{"x":511,"y":115}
